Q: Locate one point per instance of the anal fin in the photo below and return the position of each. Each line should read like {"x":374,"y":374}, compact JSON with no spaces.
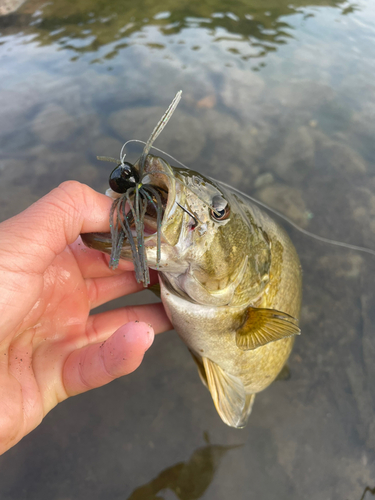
{"x":228,"y":393}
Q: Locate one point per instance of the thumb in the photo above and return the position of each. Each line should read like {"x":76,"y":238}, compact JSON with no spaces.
{"x":31,"y":240}
{"x":98,"y":364}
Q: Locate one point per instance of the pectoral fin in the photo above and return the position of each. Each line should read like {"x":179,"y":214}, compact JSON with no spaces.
{"x":228,"y":393}
{"x":262,"y":326}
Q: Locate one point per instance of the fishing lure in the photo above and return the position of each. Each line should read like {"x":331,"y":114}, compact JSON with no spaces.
{"x":140,"y":196}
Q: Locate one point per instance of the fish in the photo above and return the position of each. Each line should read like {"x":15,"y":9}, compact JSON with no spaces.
{"x":230,"y":278}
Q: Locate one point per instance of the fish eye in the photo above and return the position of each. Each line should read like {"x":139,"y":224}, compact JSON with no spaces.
{"x":123,"y":177}
{"x":220,"y":209}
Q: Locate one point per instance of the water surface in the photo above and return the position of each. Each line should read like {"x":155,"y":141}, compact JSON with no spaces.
{"x":279,"y":100}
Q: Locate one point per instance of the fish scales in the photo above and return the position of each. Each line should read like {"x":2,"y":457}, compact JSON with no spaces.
{"x":230,"y":282}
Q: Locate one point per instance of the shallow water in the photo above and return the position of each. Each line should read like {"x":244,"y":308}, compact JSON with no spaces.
{"x":279,"y":100}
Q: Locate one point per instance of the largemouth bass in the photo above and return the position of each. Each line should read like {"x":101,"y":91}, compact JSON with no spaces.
{"x":230,"y":282}
{"x":230,"y":278}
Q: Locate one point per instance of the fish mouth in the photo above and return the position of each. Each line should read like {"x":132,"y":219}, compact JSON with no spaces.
{"x":160,"y":176}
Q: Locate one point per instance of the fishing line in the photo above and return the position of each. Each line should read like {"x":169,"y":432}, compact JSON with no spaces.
{"x":303,"y":231}
{"x":273,"y":210}
{"x":143,"y":193}
{"x":167,"y":174}
{"x":152,"y":147}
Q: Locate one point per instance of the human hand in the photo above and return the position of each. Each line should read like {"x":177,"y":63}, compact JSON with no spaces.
{"x":50,"y":348}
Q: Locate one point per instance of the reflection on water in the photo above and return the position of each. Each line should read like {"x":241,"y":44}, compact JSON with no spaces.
{"x":368,"y":490}
{"x":249,"y":30}
{"x":279,"y":101}
{"x":188,"y":480}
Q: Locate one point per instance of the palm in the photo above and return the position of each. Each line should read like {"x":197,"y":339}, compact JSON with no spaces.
{"x":50,"y":346}
{"x":44,"y":350}
{"x":64,"y":303}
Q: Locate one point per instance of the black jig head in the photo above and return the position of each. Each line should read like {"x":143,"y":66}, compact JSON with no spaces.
{"x":123,"y":177}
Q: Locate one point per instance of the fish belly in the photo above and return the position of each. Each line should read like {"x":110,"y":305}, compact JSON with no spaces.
{"x":209,"y":332}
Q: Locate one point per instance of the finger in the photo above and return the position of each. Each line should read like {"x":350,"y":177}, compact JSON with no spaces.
{"x":102,"y":290}
{"x":50,"y":224}
{"x":98,"y":364}
{"x":100,"y":326}
{"x":95,"y":264}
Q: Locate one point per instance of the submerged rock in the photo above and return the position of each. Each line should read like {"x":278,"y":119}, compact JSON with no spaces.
{"x":362,"y":207}
{"x":286,"y":200}
{"x":263,"y":180}
{"x":296,"y":158}
{"x":337,"y":155}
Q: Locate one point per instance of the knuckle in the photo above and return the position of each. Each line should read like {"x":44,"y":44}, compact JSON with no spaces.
{"x":93,"y":291}
{"x":93,"y":330}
